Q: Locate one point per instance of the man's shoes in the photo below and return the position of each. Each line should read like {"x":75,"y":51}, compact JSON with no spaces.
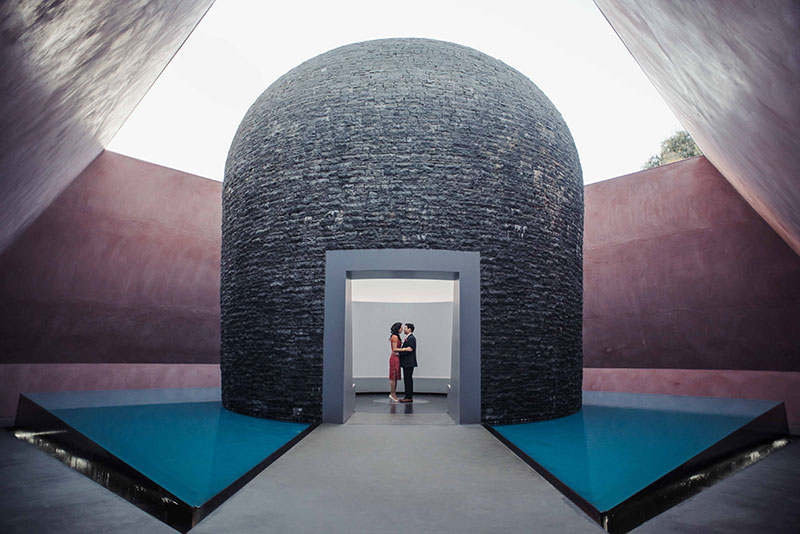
{"x":406,"y":400}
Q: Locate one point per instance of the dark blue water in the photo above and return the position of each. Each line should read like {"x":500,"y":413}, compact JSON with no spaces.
{"x":192,"y":449}
{"x":619,"y":444}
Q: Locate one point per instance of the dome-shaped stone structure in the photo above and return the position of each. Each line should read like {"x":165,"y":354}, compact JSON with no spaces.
{"x":402,"y":143}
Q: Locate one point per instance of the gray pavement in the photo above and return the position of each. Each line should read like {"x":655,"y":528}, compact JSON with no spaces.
{"x":40,"y":495}
{"x":764,"y":497}
{"x":398,"y":478}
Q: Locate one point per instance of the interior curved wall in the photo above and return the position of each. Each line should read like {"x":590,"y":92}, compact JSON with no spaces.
{"x":402,"y":143}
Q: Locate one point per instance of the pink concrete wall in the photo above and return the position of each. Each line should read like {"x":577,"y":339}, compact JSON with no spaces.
{"x":16,"y":378}
{"x":766,"y":385}
{"x":687,"y":291}
{"x":680,"y":273}
{"x":123,"y":267}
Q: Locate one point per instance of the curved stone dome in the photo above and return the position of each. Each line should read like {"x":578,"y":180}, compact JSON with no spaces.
{"x":402,"y":143}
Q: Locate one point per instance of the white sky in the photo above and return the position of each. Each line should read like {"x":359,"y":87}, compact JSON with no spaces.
{"x":189,"y":117}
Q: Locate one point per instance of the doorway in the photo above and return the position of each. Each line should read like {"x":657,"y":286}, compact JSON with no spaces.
{"x":377,"y":303}
{"x":342,"y":267}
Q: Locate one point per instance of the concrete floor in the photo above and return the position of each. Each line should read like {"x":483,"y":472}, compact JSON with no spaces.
{"x":376,"y":409}
{"x":388,"y":477}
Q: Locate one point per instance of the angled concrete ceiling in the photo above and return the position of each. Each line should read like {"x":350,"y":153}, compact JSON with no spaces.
{"x":72,"y":72}
{"x":730,"y":71}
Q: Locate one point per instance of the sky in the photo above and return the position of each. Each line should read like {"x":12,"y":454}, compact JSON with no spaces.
{"x":566,"y":47}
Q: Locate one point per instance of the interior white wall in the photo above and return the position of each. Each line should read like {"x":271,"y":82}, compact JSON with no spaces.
{"x":371,"y":323}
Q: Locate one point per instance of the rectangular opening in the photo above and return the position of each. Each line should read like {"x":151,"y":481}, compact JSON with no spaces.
{"x":379,"y":299}
{"x":344,"y":268}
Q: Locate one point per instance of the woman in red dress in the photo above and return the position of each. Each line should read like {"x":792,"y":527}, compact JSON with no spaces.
{"x":394,"y":361}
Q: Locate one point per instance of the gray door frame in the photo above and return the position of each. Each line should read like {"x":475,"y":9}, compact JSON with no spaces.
{"x":341,"y":266}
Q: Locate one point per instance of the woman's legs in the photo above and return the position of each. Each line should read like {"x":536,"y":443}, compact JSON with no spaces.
{"x":393,"y":388}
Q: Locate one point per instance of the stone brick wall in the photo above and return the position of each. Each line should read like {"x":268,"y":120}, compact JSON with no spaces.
{"x":402,"y":143}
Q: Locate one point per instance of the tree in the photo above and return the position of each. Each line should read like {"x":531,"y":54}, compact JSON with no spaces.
{"x":676,"y":147}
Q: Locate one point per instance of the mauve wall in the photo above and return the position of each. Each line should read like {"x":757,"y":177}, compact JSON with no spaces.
{"x":115,"y":285}
{"x":687,"y":290}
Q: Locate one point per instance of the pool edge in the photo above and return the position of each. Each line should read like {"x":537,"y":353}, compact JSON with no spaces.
{"x":741,"y":448}
{"x":44,"y":430}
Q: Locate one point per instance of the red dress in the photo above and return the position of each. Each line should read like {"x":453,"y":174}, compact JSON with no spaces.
{"x":394,"y":361}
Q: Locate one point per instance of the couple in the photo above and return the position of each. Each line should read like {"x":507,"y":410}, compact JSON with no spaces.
{"x":404,"y":356}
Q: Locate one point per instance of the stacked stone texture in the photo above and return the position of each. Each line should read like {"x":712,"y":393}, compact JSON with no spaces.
{"x":402,"y":143}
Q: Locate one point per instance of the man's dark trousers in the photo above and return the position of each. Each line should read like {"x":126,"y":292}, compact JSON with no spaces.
{"x":408,"y":360}
{"x":408,"y":381}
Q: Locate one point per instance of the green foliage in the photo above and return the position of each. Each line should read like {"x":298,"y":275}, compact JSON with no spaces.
{"x":676,"y":147}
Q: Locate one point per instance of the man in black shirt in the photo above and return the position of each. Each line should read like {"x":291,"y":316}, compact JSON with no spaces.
{"x":408,"y":360}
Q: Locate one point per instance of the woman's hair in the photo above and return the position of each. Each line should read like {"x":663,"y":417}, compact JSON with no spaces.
{"x":396,"y":330}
